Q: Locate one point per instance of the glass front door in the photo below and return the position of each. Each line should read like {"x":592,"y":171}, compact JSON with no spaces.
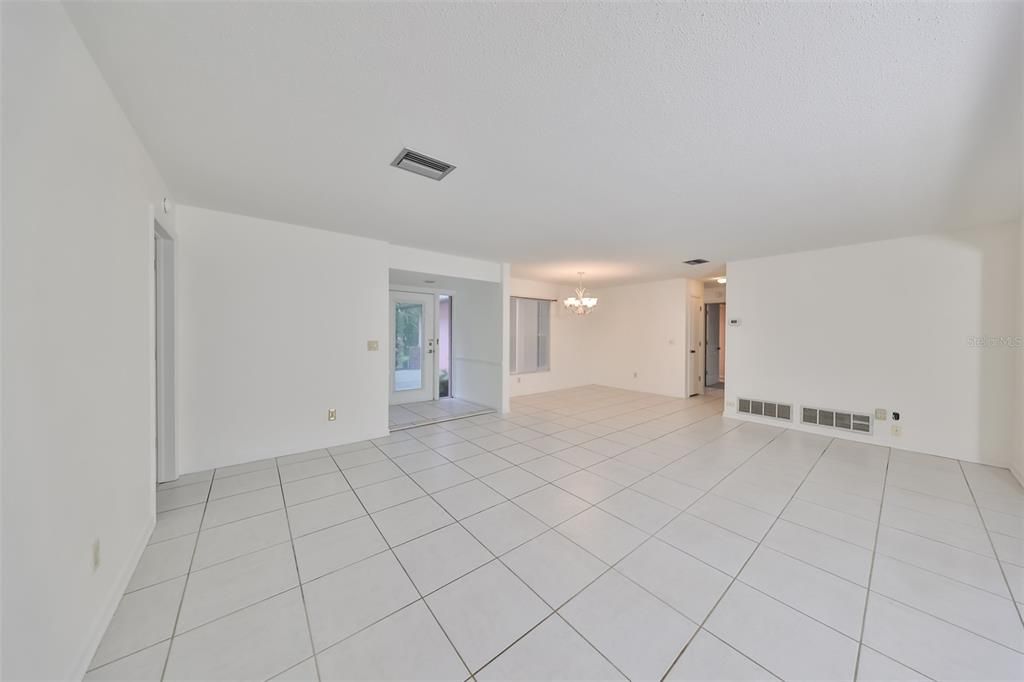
{"x":413,"y":346}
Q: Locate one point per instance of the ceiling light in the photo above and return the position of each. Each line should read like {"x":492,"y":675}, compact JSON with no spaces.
{"x":696,"y":261}
{"x":720,"y":280}
{"x":581,"y":304}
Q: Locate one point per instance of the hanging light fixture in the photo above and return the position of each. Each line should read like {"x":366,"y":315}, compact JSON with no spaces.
{"x":581,"y":304}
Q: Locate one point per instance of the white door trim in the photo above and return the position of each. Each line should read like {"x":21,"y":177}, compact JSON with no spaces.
{"x":166,"y":455}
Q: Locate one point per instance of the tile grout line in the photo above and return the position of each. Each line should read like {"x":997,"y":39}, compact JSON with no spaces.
{"x":184,"y":587}
{"x":871,"y":567}
{"x":609,"y":567}
{"x":718,"y":601}
{"x":988,"y":533}
{"x":298,"y":576}
{"x":406,"y":572}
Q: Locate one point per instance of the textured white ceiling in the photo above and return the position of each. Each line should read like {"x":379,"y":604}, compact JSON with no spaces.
{"x":620,"y":139}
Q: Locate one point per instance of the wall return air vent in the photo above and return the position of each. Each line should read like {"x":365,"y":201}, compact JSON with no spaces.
{"x":421,"y":164}
{"x":836,"y":419}
{"x":765,"y":408}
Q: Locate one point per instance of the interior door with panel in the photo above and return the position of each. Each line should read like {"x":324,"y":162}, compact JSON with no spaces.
{"x":695,"y":347}
{"x":413,"y":346}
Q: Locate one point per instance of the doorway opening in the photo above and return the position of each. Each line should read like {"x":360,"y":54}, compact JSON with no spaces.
{"x":714,"y":345}
{"x":444,"y":346}
{"x":163,"y":353}
{"x":423,"y":381}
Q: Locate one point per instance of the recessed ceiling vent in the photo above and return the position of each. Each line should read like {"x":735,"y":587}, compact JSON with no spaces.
{"x":764,"y":408}
{"x":837,"y":419}
{"x":696,"y":261}
{"x":420,"y":164}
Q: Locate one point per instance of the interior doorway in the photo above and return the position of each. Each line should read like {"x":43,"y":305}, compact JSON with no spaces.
{"x":444,"y":346}
{"x":714,"y":345}
{"x":163,"y":353}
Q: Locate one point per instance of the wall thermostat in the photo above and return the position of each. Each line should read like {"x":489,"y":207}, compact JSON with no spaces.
{"x":734,"y":321}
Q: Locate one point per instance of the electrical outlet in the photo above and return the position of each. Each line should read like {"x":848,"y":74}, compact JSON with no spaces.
{"x":372,"y":345}
{"x":897,"y":429}
{"x":95,"y":555}
{"x":332,"y":415}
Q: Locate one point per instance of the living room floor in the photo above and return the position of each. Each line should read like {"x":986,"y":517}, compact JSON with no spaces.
{"x":593,"y":533}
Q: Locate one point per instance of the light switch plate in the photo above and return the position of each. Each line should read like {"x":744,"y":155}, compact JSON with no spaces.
{"x":881,"y":414}
{"x":372,"y":345}
{"x":332,"y":414}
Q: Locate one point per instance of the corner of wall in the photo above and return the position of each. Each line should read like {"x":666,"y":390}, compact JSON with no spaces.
{"x":113,"y":599}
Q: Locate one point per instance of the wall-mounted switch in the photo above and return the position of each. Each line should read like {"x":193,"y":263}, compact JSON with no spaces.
{"x":372,"y":345}
{"x":332,"y":414}
{"x":734,"y":322}
{"x":880,"y":414}
{"x":897,"y":429}
{"x":95,"y":555}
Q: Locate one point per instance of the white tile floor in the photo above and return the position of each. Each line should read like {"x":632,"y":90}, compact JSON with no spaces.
{"x":431,"y":411}
{"x":592,"y":534}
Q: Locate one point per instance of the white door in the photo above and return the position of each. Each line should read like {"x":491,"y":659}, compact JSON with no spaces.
{"x":413,"y":342}
{"x":694,"y":347}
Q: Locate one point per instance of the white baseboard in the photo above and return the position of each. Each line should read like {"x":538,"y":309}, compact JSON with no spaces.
{"x":1018,"y":475}
{"x":103,"y":618}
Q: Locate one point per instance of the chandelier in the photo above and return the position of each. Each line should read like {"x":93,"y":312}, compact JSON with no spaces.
{"x":581,"y":304}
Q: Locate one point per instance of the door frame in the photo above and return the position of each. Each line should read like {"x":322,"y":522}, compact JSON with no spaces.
{"x":163,"y":354}
{"x":707,"y":346}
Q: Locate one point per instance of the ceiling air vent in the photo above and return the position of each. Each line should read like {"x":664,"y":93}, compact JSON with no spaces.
{"x":764,"y":408}
{"x":837,"y":419}
{"x":417,"y":163}
{"x":696,"y":261}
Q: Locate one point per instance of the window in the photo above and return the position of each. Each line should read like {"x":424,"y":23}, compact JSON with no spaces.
{"x":530,"y":328}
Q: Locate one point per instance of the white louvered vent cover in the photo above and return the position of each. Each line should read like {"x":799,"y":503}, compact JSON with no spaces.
{"x":421,"y":164}
{"x":837,"y":419}
{"x":765,"y":408}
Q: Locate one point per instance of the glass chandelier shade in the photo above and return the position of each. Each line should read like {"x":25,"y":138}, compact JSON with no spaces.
{"x":580,"y":304}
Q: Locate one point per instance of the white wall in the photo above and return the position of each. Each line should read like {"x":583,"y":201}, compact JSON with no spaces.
{"x":887,"y":325}
{"x":78,"y":189}
{"x":477,"y":342}
{"x":641,"y":328}
{"x":419,"y":260}
{"x":1017,"y":462}
{"x":273,"y":324}
{"x":570,"y":347}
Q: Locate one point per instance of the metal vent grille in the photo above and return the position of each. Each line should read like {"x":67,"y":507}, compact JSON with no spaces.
{"x":837,"y":419}
{"x":421,"y":164}
{"x":764,"y":408}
